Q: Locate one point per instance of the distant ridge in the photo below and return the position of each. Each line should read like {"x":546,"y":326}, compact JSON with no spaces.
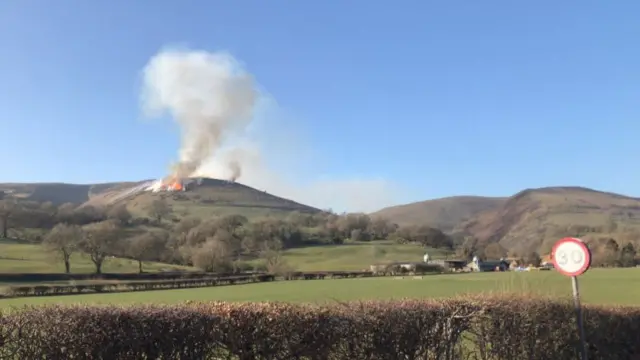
{"x":530,"y":220}
{"x":444,"y":213}
{"x":210,"y":197}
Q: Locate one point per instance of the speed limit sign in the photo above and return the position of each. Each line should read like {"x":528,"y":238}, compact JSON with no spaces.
{"x":571,"y":256}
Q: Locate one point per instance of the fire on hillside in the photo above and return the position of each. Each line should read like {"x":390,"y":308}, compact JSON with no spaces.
{"x":164,"y":185}
{"x":173,"y":185}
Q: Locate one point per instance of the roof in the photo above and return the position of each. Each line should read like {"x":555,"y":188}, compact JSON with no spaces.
{"x":493,"y":262}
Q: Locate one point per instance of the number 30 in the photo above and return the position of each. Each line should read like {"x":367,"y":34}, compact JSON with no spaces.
{"x":563,"y":258}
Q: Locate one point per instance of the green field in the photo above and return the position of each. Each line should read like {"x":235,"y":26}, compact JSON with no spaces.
{"x":354,"y":256}
{"x":21,"y":257}
{"x":598,"y":286}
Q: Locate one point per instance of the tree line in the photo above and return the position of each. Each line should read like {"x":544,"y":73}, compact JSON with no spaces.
{"x":217,"y":243}
{"x":605,"y":251}
{"x":225,"y":242}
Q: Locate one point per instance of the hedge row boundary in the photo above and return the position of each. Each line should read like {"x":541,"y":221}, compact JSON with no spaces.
{"x":474,"y":328}
{"x":161,"y":275}
{"x":101,"y":287}
{"x":171,"y":275}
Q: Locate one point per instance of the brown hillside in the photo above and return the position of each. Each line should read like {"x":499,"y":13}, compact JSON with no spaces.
{"x":443,"y":213}
{"x":57,"y":193}
{"x":535,"y":218}
{"x":211,"y":197}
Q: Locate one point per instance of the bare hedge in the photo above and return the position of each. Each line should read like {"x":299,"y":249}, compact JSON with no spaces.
{"x":102,"y":287}
{"x":463,"y":328}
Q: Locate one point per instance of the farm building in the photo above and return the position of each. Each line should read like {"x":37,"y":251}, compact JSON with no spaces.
{"x":488,"y":265}
{"x":400,"y":267}
{"x":449,"y":264}
{"x":418,"y":267}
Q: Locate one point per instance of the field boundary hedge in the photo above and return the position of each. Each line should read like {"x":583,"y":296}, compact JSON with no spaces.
{"x":176,"y":275}
{"x":101,"y":287}
{"x":474,"y":328}
{"x":53,"y":277}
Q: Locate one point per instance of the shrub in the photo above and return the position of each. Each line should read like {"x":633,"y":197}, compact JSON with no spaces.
{"x":171,"y":283}
{"x":481,"y":328}
{"x":424,"y":268}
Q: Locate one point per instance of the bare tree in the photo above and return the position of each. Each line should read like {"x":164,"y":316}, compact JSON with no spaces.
{"x":99,"y":241}
{"x":213,"y":255}
{"x":533,"y":259}
{"x":64,"y":240}
{"x":272,"y":256}
{"x":159,"y":209}
{"x":187,"y":223}
{"x":120,"y":213}
{"x":495,"y":251}
{"x":64,"y":212}
{"x":8,"y":208}
{"x":146,"y":247}
{"x":88,"y":214}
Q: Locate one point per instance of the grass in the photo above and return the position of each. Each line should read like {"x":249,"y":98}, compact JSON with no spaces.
{"x":21,"y":257}
{"x":354,"y":256}
{"x":598,"y":286}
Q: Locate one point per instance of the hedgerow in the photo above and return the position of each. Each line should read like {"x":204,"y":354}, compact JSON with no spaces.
{"x":483,"y":328}
{"x":102,"y":287}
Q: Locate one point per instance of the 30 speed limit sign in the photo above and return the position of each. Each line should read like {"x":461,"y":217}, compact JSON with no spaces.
{"x":571,"y":256}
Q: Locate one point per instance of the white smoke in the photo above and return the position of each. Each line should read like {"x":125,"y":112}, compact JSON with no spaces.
{"x":325,"y":192}
{"x":214,"y":102}
{"x":208,"y":94}
{"x":277,"y":156}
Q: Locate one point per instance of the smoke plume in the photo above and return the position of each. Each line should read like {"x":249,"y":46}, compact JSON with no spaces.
{"x":235,"y":168}
{"x":209,"y":95}
{"x":230,"y":130}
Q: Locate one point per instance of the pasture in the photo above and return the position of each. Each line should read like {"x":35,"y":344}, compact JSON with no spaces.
{"x":598,"y":286}
{"x":354,"y":256}
{"x":23,"y":257}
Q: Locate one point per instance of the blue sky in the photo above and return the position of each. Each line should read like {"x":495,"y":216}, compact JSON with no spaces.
{"x":425,"y":99}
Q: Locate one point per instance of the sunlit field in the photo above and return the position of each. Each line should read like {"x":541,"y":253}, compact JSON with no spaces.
{"x":598,"y":286}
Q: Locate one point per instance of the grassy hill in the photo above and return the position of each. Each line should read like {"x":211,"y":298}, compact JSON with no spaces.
{"x":533,"y":219}
{"x":443,"y":214}
{"x":529,"y":220}
{"x":57,"y":193}
{"x":218,"y":197}
{"x":210,"y":197}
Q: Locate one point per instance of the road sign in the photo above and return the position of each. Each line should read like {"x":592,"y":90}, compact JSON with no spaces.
{"x":571,"y":256}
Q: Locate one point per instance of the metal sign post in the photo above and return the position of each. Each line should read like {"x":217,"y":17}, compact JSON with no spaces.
{"x":572,"y":258}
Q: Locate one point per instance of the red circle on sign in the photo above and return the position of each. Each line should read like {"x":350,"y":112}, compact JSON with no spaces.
{"x":586,"y":253}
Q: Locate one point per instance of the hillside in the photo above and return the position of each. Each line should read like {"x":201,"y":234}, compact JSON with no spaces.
{"x":535,"y":218}
{"x":209,"y":197}
{"x":530,"y":220}
{"x":57,"y":193}
{"x":443,"y":214}
{"x":217,"y":197}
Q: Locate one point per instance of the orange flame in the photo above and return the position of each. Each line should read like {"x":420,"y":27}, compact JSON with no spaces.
{"x":172,"y":185}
